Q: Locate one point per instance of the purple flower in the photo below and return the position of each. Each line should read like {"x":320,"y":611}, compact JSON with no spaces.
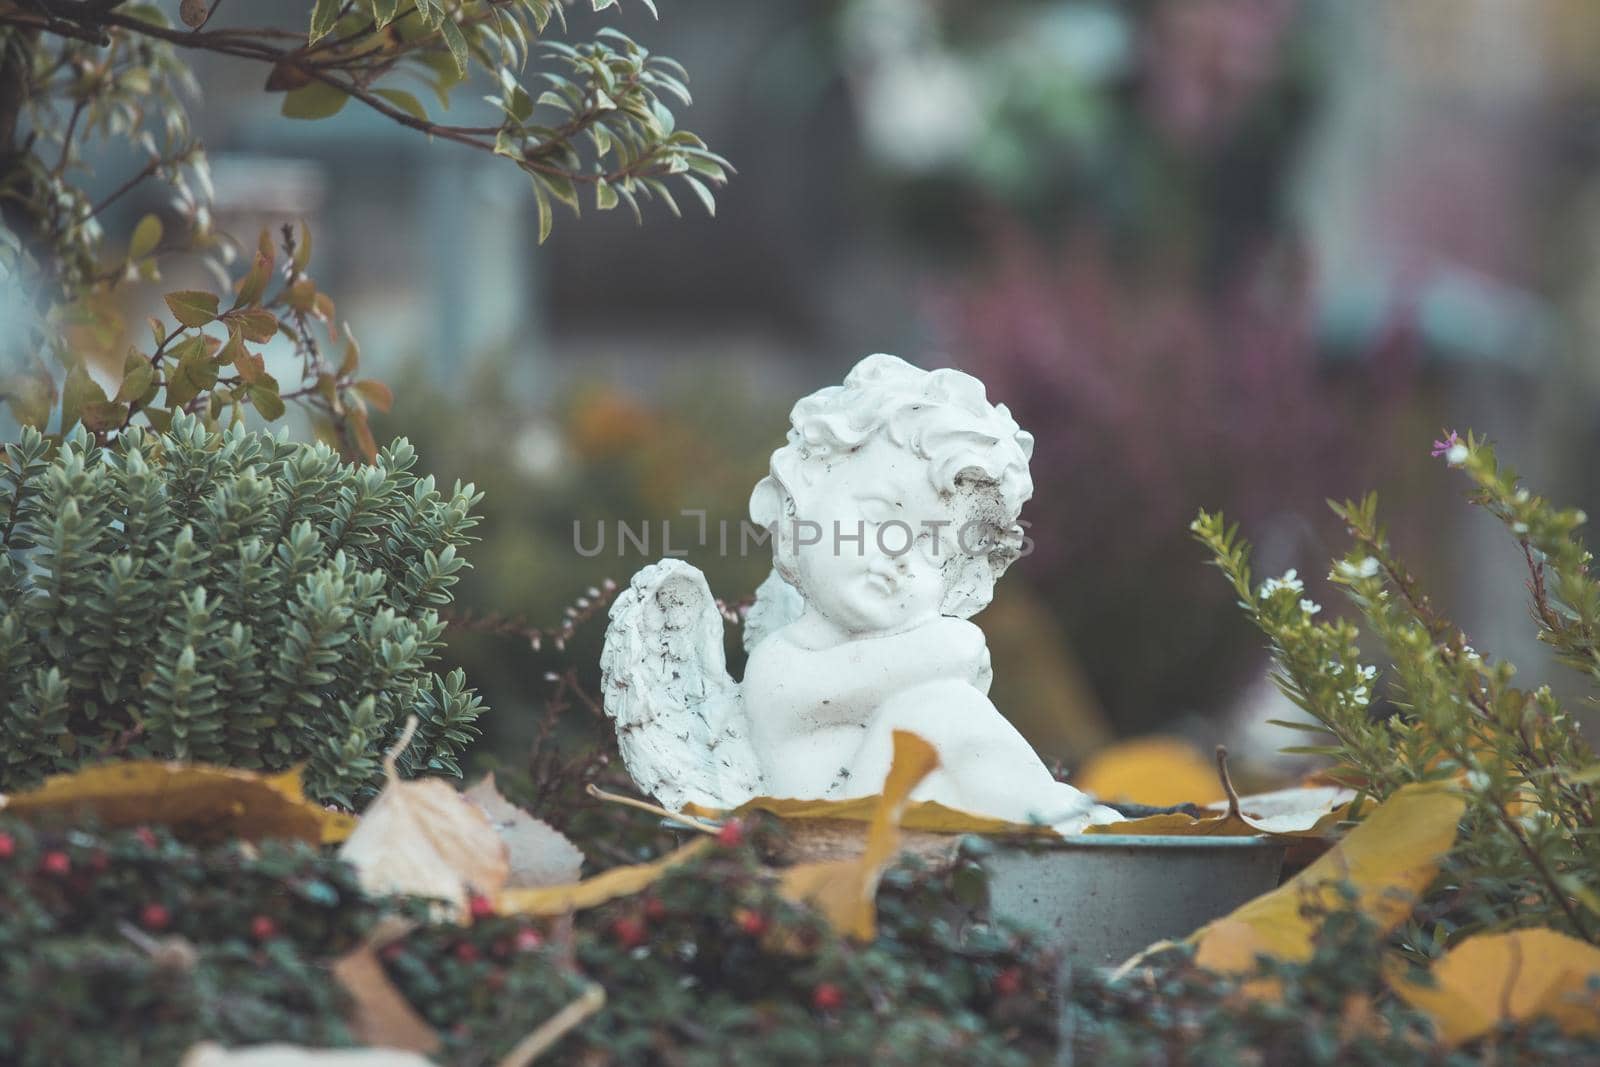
{"x":1450,"y":441}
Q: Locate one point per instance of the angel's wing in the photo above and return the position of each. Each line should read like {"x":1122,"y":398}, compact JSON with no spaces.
{"x":680,"y":723}
{"x":777,"y":605}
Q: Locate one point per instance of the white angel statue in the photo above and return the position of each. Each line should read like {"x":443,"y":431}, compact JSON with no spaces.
{"x":893,"y":508}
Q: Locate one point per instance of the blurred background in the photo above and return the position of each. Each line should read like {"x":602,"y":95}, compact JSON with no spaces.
{"x":1238,"y":254}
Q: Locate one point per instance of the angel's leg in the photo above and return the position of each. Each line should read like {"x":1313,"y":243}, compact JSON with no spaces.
{"x":985,"y":765}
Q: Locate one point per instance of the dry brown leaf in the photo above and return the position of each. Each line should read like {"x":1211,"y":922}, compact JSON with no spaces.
{"x":423,"y":838}
{"x":592,"y":892}
{"x":845,"y":890}
{"x":1150,"y":770}
{"x":193,"y":800}
{"x":212,"y":1055}
{"x":538,"y":853}
{"x":379,"y":1014}
{"x":1389,"y":858}
{"x":1510,"y":977}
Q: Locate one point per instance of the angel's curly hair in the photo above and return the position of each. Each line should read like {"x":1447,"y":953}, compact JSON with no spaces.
{"x":973,"y":448}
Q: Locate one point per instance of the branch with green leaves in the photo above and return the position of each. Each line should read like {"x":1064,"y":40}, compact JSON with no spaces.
{"x":1528,"y":852}
{"x":596,"y":114}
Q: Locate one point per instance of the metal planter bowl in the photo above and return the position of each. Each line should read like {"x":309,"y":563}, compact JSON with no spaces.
{"x":1100,"y":898}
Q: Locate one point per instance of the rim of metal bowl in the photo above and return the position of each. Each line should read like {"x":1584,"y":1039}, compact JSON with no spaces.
{"x":1153,"y":841}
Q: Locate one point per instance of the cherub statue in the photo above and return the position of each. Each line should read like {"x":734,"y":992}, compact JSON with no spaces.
{"x":893,"y":508}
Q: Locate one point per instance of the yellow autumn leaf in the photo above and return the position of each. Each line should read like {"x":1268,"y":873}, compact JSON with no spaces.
{"x":1158,"y":771}
{"x":845,"y":890}
{"x":423,"y":838}
{"x":1511,"y":977}
{"x":1388,"y":860}
{"x":926,"y":815}
{"x":193,"y":799}
{"x":602,"y":888}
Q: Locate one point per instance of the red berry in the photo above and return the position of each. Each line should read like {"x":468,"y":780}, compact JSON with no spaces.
{"x":731,"y":834}
{"x":630,"y":933}
{"x":8,"y":846}
{"x":466,"y":952}
{"x":262,"y":928}
{"x":155,"y":917}
{"x":827,"y":997}
{"x":55,"y":863}
{"x":481,"y":907}
{"x":750,"y":922}
{"x":655,"y":909}
{"x":146,"y":836}
{"x":529,"y":940}
{"x":1008,"y":983}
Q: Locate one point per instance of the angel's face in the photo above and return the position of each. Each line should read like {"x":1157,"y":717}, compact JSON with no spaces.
{"x":873,"y":541}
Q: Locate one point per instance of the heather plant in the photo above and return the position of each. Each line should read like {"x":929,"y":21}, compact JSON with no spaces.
{"x":1528,"y":854}
{"x":228,"y":598}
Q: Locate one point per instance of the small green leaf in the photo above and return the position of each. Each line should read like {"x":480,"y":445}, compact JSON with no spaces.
{"x":605,"y":197}
{"x":194,"y":374}
{"x":404,"y":101}
{"x":562,"y":189}
{"x":255,"y":283}
{"x":543,"y":200}
{"x":456,"y":43}
{"x":78,"y":391}
{"x":191,"y":307}
{"x":700,"y":190}
{"x":137,"y":374}
{"x":316,"y":100}
{"x":256,"y":324}
{"x":302,"y":249}
{"x":383,"y":11}
{"x":323,"y":16}
{"x":264,"y":396}
{"x":146,"y":236}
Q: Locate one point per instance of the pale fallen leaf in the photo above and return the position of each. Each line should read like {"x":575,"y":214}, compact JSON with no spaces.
{"x":538,"y":853}
{"x":191,"y":799}
{"x":845,"y":890}
{"x":423,"y":838}
{"x":1511,"y":977}
{"x":1159,"y":771}
{"x":379,"y":1014}
{"x":592,"y":892}
{"x":1388,"y":859}
{"x":213,"y":1055}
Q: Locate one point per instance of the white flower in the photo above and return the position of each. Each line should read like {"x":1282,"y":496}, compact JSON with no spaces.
{"x":1310,"y":607}
{"x":1288,"y":581}
{"x":1456,"y":455}
{"x":1367,"y":672}
{"x":1362,"y":568}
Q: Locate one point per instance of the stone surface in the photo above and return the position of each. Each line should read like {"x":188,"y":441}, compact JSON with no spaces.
{"x":893,"y":509}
